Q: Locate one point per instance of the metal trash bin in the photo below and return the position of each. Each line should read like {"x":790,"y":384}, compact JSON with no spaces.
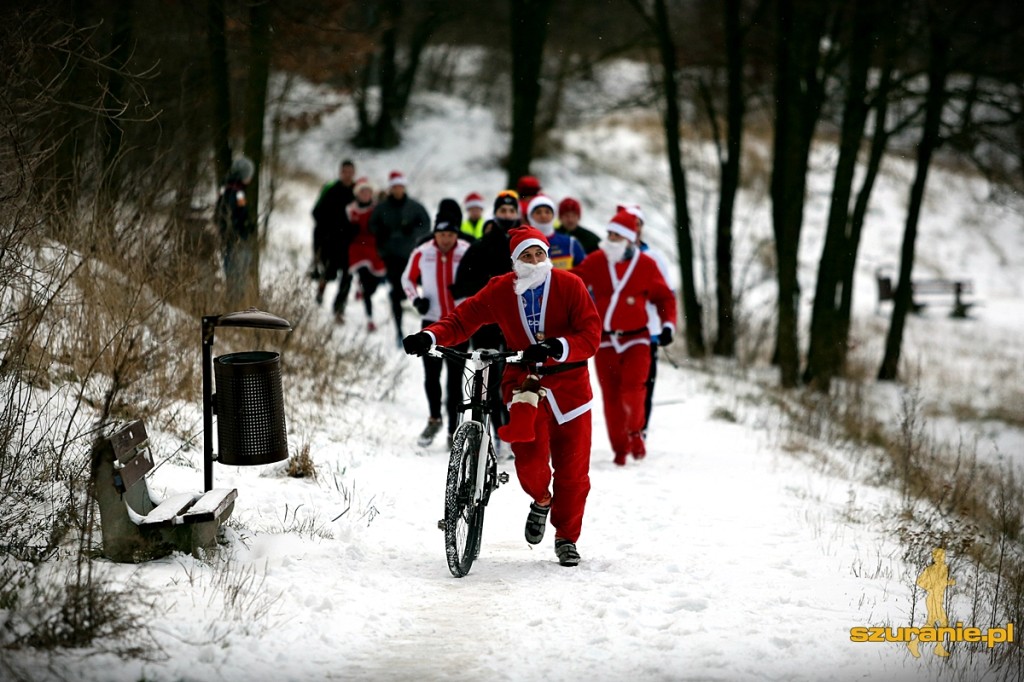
{"x":250,"y":408}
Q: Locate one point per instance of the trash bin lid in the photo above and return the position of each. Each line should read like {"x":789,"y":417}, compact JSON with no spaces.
{"x":253,"y":318}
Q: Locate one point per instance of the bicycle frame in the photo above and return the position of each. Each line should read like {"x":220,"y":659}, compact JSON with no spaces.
{"x":480,"y":362}
{"x":472,"y":476}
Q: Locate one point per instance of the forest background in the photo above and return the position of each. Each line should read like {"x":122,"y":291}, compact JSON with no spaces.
{"x":120,"y":119}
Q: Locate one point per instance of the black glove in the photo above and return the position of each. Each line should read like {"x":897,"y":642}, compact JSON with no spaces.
{"x":665,"y":337}
{"x":422,"y":305}
{"x":417,"y":344}
{"x":539,"y":352}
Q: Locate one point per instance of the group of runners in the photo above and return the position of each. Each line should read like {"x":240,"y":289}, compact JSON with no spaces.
{"x":529,"y":277}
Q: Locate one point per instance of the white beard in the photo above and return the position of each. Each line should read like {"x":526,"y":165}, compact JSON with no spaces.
{"x":530,"y":275}
{"x":615,"y":251}
{"x":546,"y":229}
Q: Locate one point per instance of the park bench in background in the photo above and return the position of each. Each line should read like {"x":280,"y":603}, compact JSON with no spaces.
{"x":135,"y":527}
{"x":926,"y":290}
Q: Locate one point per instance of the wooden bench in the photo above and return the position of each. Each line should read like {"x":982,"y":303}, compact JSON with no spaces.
{"x":135,"y":526}
{"x":956,"y":289}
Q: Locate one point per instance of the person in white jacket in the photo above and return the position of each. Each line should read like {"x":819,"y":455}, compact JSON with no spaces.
{"x":426,"y":280}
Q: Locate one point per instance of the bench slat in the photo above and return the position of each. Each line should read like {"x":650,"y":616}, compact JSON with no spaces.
{"x":941,"y":286}
{"x":166,"y":511}
{"x":131,"y":449}
{"x":126,"y":440}
{"x":210,"y":506}
{"x":135,"y":469}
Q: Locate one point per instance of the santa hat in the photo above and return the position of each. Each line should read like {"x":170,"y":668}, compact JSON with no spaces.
{"x":507,"y":197}
{"x":523,"y":237}
{"x":361,"y":184}
{"x":634,"y":209}
{"x":473,"y":200}
{"x":396,"y":178}
{"x":624,"y":224}
{"x":540,"y":200}
{"x":522,"y":414}
{"x":527,"y":186}
{"x":569,"y":205}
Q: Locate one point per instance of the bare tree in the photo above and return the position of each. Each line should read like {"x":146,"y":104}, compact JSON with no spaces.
{"x":799,"y":93}
{"x":658,"y":21}
{"x":529,"y":32}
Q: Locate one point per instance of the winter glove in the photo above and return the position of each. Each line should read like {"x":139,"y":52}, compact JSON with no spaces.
{"x":665,"y":338}
{"x":422,"y":305}
{"x":539,"y":352}
{"x":417,"y":344}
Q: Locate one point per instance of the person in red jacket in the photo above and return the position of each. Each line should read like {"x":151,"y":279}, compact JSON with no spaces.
{"x":363,"y":259}
{"x":548,"y":314}
{"x":427,"y":281}
{"x":622,"y":281}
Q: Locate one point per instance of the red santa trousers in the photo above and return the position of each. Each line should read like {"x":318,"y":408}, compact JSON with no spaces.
{"x":566,"y":449}
{"x":623,"y":379}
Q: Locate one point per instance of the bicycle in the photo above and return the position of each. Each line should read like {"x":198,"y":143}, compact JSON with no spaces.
{"x":472,"y":466}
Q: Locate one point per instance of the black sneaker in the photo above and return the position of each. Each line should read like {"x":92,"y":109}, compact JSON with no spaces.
{"x":536,"y":522}
{"x":427,"y":437}
{"x":567,"y":554}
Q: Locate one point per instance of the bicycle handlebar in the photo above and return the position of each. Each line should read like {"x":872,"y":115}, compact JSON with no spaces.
{"x":486,"y":354}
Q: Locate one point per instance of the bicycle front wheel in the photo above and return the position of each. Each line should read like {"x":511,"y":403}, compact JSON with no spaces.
{"x":463,"y":519}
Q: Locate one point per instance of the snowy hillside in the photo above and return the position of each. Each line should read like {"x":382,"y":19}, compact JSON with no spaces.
{"x":735,"y":551}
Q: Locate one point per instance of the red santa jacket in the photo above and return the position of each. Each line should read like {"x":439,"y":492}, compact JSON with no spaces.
{"x":568,"y":313}
{"x":363,"y":250}
{"x":435,"y":271}
{"x":621,"y":294}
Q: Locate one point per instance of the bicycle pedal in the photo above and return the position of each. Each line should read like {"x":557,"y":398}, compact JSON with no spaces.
{"x":440,"y":524}
{"x":503,"y":477}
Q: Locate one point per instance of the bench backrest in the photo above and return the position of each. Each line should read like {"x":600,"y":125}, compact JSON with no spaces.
{"x":134,"y":458}
{"x":942,"y":286}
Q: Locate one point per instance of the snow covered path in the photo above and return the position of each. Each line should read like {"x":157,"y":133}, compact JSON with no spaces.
{"x":715,"y":558}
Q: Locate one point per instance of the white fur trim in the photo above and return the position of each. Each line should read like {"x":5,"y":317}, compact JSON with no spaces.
{"x":622,"y":231}
{"x":540,"y":200}
{"x":527,"y":243}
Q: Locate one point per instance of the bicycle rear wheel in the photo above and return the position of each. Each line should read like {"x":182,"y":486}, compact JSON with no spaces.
{"x":463,"y":519}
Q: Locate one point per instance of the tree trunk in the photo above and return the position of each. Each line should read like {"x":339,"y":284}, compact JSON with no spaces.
{"x":217,"y":49}
{"x":725,"y":341}
{"x":824,"y":353}
{"x":930,"y":141}
{"x":879,"y":143}
{"x":255,"y":110}
{"x":798,"y":93}
{"x":684,"y":243}
{"x":529,"y":32}
{"x":120,"y":51}
{"x":421,"y":34}
{"x":385,"y":134}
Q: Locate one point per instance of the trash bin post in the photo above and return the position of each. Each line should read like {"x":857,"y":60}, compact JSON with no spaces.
{"x":209,"y":323}
{"x":254,"y":319}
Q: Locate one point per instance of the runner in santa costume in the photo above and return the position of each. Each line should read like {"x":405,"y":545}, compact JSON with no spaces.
{"x":623,"y":280}
{"x":548,"y":314}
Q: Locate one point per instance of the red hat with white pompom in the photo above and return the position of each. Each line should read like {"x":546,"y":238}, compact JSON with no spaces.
{"x":624,"y":225}
{"x":523,"y":237}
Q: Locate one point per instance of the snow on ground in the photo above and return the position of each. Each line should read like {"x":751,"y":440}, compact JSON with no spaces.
{"x":722,"y":556}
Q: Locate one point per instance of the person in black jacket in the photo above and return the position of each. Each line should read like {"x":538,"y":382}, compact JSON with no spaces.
{"x":332,"y":234}
{"x":485,"y":259}
{"x":398,"y":223}
{"x":236,"y":229}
